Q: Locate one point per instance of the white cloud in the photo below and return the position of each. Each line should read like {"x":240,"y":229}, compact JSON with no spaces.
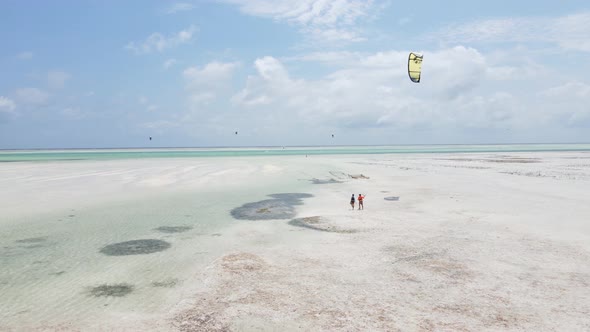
{"x":7,"y":105}
{"x":32,"y":96}
{"x":569,"y":101}
{"x":404,"y":20}
{"x":7,"y":109}
{"x":570,"y":90}
{"x":25,"y":56}
{"x":169,"y":63}
{"x":321,"y":20}
{"x":144,"y":101}
{"x":568,"y":32}
{"x":157,"y":42}
{"x":203,"y":84}
{"x":73,"y":113}
{"x":373,"y":91}
{"x":180,"y":7}
{"x":159,"y":125}
{"x":335,"y":58}
{"x":57,"y":79}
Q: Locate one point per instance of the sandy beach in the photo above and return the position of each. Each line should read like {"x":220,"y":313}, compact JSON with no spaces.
{"x":446,"y":242}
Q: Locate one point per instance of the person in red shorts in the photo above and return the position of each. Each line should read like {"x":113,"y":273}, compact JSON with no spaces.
{"x":361,"y":200}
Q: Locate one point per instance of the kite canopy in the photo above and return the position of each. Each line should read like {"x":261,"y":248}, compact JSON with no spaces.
{"x":415,"y":67}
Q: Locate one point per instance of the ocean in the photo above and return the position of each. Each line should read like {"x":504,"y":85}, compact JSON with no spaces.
{"x":133,"y":153}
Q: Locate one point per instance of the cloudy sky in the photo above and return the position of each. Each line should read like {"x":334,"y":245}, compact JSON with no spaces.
{"x":283,"y":72}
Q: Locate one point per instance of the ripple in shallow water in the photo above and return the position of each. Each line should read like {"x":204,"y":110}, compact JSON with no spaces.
{"x":117,"y":290}
{"x":135,"y":247}
{"x":33,"y":240}
{"x":173,"y":229}
{"x":282,"y":206}
{"x":392,"y":198}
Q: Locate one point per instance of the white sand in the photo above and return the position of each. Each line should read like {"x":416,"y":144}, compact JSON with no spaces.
{"x":476,"y":242}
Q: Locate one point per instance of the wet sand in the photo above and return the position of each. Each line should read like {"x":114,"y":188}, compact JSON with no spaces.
{"x":471,"y":242}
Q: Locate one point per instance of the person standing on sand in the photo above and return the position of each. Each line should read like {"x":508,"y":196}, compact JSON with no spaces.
{"x":361,"y":199}
{"x":352,"y":201}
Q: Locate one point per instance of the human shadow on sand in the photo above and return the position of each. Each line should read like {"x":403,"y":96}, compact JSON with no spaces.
{"x":281,"y":206}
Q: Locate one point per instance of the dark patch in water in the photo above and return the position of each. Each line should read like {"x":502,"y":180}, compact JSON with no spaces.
{"x":57,"y":273}
{"x":391,"y":198}
{"x":282,"y":206}
{"x":33,"y":246}
{"x":318,"y":181}
{"x":135,"y":247}
{"x":72,"y":215}
{"x":216,"y":234}
{"x":316,"y":224}
{"x":173,"y":229}
{"x":33,"y":240}
{"x":291,"y":196}
{"x":117,"y":290}
{"x":167,"y":283}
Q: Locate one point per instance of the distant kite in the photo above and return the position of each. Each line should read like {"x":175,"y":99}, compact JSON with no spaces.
{"x":150,"y":138}
{"x":415,"y":67}
{"x":332,"y":135}
{"x":236,"y":132}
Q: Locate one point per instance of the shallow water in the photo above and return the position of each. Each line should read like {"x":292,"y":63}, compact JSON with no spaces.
{"x":62,"y":266}
{"x":111,"y":154}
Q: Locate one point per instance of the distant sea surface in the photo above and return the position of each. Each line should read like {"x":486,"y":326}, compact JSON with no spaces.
{"x":113,"y":154}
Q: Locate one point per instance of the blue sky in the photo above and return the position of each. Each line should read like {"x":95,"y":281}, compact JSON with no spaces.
{"x":191,"y":73}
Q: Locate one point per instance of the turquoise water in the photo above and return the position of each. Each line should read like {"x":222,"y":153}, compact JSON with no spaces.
{"x":110,"y":154}
{"x":51,"y":261}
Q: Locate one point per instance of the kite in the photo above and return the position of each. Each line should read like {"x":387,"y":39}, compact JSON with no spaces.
{"x":415,"y":67}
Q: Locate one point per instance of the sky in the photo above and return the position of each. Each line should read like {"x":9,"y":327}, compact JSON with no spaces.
{"x":100,"y":74}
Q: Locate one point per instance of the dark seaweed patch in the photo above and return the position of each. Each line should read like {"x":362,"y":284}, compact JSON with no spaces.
{"x":316,"y":224}
{"x":135,"y":247}
{"x":117,"y":290}
{"x":291,"y":196}
{"x":167,"y":283}
{"x":33,"y":246}
{"x":282,"y":206}
{"x":33,"y":240}
{"x":391,"y":198}
{"x":329,"y":181}
{"x":173,"y":229}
